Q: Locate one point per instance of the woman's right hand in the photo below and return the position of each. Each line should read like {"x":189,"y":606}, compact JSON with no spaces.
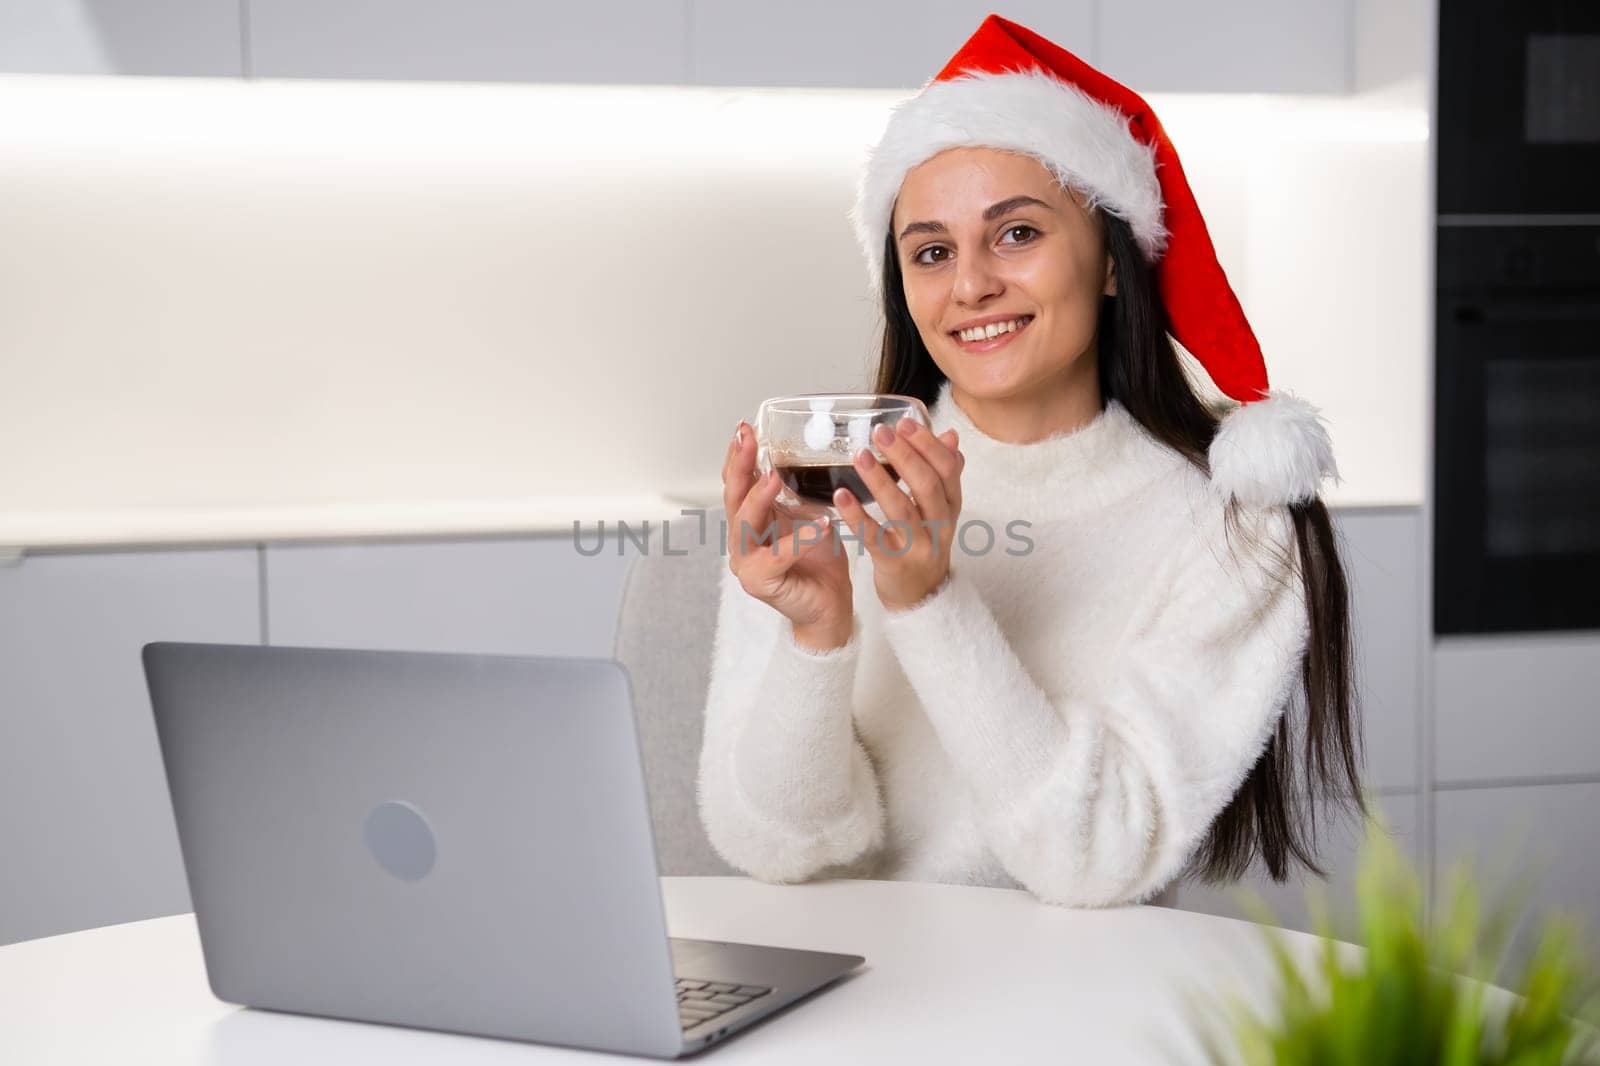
{"x":807,"y":577}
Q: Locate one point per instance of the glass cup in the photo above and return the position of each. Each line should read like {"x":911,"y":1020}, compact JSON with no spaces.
{"x":812,"y":441}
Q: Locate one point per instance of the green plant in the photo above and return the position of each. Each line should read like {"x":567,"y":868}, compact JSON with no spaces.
{"x":1419,"y":993}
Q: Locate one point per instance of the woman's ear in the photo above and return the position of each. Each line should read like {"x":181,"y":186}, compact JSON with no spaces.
{"x":1111,"y":277}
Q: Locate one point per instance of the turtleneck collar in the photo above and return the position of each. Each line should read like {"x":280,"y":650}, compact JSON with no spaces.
{"x":1099,"y":463}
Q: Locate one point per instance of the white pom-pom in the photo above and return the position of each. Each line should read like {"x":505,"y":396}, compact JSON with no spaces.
{"x":860,"y":431}
{"x":1272,"y":451}
{"x":818,"y":431}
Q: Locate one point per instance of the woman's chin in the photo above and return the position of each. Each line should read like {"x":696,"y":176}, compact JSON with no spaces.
{"x":989,"y":381}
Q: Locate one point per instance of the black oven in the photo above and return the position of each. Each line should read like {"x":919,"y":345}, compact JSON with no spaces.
{"x":1517,"y":334}
{"x":1517,"y":429}
{"x":1519,"y":107}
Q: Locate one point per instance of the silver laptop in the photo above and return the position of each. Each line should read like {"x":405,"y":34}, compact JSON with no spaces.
{"x":454,"y":842}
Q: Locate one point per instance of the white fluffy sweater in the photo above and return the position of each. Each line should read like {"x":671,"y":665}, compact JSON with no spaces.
{"x":1069,"y":720}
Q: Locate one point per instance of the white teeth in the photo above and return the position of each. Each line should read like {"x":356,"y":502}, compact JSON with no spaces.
{"x":994,"y":329}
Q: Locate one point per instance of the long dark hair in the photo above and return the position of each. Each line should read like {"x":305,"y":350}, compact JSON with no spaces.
{"x":1273,"y":816}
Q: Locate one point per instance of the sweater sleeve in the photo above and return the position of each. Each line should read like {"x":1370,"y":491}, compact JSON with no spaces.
{"x":1099,"y":794}
{"x":786,"y":789}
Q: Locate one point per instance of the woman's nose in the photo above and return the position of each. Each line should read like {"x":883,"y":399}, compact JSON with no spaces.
{"x":976,"y":278}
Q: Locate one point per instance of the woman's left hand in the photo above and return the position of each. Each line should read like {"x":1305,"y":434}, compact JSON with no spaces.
{"x":911,"y":548}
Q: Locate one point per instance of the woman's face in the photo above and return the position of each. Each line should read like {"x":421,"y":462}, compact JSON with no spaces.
{"x":987,"y":236}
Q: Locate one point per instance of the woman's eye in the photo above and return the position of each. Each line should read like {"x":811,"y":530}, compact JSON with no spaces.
{"x":921,"y":256}
{"x":1029,"y":230}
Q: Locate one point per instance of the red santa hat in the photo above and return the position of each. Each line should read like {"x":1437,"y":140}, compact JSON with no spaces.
{"x":1012,"y":89}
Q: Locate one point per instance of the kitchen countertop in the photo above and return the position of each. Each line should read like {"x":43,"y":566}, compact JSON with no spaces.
{"x":158,"y":526}
{"x":234,"y":525}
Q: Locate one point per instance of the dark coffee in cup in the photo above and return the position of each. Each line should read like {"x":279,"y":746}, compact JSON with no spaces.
{"x":815,"y":481}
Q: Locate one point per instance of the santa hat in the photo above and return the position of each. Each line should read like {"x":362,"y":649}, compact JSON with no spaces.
{"x":1012,"y":89}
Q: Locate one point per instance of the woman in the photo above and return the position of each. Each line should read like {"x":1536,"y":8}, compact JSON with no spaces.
{"x":1102,"y":712}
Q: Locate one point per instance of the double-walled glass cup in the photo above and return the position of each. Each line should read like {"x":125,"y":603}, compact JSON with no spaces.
{"x":812,"y":441}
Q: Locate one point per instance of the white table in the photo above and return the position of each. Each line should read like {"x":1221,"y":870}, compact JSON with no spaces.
{"x":953,"y":974}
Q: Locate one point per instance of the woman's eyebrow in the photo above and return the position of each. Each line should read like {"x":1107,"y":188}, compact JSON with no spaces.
{"x":990,"y":213}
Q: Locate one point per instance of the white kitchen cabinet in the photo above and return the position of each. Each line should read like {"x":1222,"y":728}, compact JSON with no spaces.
{"x":835,"y":43}
{"x":166,"y":37}
{"x":1153,"y":45}
{"x":1547,"y":831}
{"x":1382,"y":553}
{"x":1338,"y":852}
{"x":1284,"y":46}
{"x":1394,"y":42}
{"x":1516,"y":707}
{"x":50,"y":37}
{"x":524,"y":596}
{"x":616,"y":41}
{"x":86,"y":830}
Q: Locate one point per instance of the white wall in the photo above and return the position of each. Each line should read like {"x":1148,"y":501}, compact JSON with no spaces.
{"x":1321,"y":210}
{"x":221,"y":293}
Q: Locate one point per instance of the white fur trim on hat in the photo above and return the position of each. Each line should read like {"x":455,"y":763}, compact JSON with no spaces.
{"x":1271,"y":451}
{"x":1085,"y":142}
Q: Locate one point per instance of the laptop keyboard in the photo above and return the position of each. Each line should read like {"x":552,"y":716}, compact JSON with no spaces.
{"x":701,"y":1001}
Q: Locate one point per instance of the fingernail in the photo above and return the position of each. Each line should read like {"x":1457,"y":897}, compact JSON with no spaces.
{"x":885,"y":435}
{"x":908,"y":426}
{"x":866,"y":459}
{"x":843,"y":497}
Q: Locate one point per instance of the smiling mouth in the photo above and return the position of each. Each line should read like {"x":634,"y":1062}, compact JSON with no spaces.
{"x":983,"y":340}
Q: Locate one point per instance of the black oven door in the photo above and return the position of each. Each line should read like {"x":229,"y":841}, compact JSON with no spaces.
{"x":1517,"y":430}
{"x":1519,"y":107}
